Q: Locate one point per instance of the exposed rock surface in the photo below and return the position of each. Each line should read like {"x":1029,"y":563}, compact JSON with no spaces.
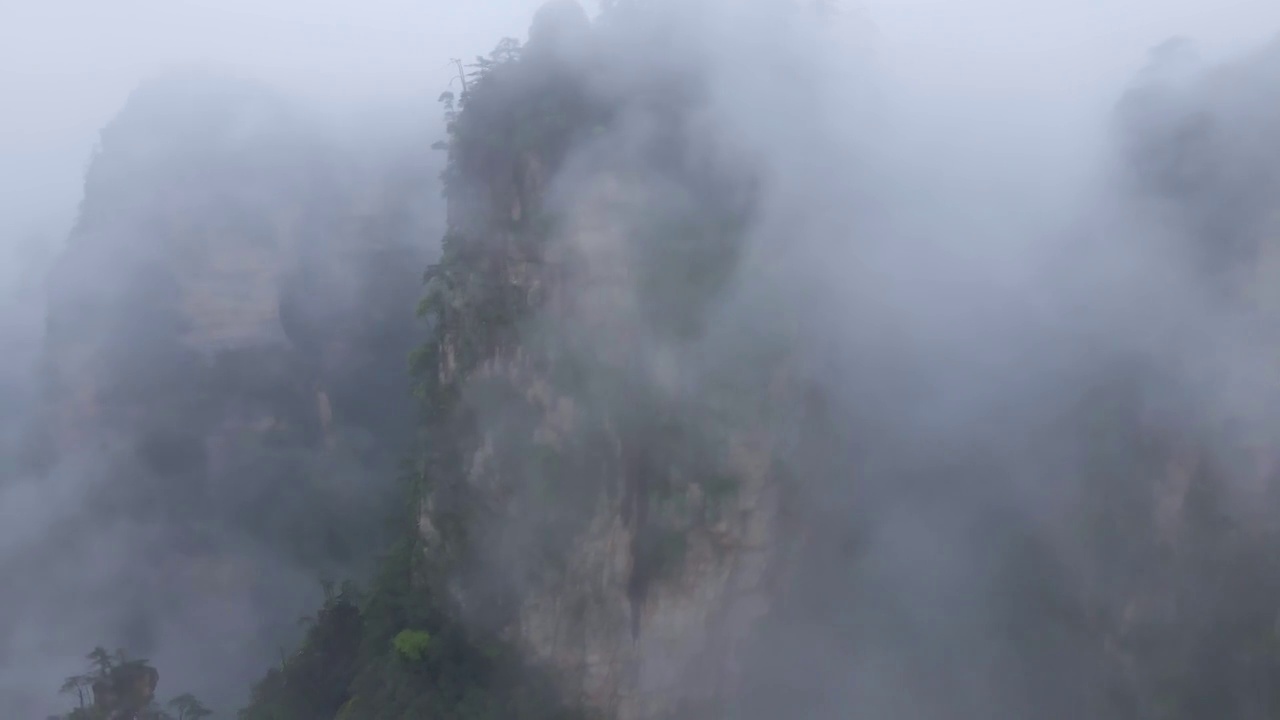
{"x":227,"y":332}
{"x":1103,"y":603}
{"x":618,"y":565}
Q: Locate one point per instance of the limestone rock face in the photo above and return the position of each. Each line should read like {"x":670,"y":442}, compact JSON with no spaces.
{"x":676,"y":650}
{"x":217,"y":223}
{"x":633,"y":575}
{"x":223,"y":370}
{"x":1060,"y":553}
{"x":1202,"y":157}
{"x":183,"y":240}
{"x":630,"y":632}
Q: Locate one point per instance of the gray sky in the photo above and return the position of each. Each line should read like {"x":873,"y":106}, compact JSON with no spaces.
{"x":1065,"y":49}
{"x":66,"y":66}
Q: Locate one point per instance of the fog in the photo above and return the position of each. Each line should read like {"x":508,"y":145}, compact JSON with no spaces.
{"x":1009,"y":328}
{"x":931,"y":173}
{"x":69,"y":64}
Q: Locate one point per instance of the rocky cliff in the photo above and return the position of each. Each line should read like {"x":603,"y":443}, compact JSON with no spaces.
{"x":211,"y":212}
{"x":619,"y":530}
{"x":1195,"y":622}
{"x":685,"y":456}
{"x":224,"y":375}
{"x":619,"y":494}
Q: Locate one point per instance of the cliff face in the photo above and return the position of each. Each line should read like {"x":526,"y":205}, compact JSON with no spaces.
{"x":620,"y":521}
{"x":614,"y":503}
{"x":1202,"y":158}
{"x":676,"y":467}
{"x":217,"y":227}
{"x":185,"y":237}
{"x":227,"y":333}
{"x":678,"y":525}
{"x":637,"y":544}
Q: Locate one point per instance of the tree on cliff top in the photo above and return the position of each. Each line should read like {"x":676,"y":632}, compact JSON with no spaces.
{"x":118,"y":687}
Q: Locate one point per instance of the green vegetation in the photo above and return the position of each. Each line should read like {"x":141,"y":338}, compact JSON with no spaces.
{"x":412,"y":644}
{"x":398,"y":653}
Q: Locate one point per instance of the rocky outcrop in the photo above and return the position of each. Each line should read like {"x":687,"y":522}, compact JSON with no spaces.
{"x":672,"y":647}
{"x":1201,"y":163}
{"x":615,"y":544}
{"x":589,"y":472}
{"x":127,"y":693}
{"x":227,"y":332}
{"x":216,"y":223}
